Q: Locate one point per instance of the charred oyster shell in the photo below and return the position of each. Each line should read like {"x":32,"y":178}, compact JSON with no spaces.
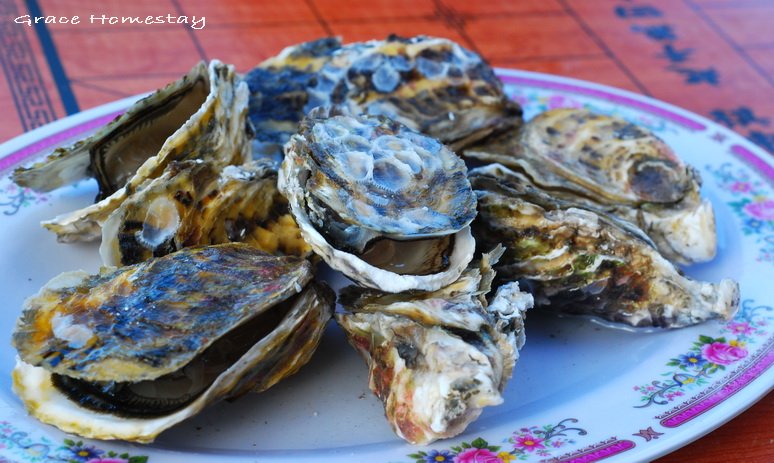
{"x":387,"y":206}
{"x":429,"y":84}
{"x":201,"y":116}
{"x":197,"y":203}
{"x":436,"y":359}
{"x":611,"y":164}
{"x":582,"y":261}
{"x":129,"y":352}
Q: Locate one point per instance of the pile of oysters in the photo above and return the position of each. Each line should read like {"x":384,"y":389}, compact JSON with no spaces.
{"x":220,"y":193}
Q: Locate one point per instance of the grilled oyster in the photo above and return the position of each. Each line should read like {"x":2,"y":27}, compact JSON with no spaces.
{"x":279,"y":93}
{"x":608,"y":163}
{"x":387,"y":206}
{"x":201,"y":116}
{"x":429,"y":84}
{"x":578,"y":260}
{"x":129,"y":352}
{"x":436,"y":359}
{"x":196,"y":203}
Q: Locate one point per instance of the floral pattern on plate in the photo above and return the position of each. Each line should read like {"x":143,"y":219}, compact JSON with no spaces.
{"x":540,"y":441}
{"x":708,"y":355}
{"x":752,"y":203}
{"x":28,"y":449}
{"x":13,"y":197}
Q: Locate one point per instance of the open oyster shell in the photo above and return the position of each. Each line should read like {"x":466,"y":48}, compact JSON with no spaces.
{"x":129,"y":352}
{"x":611,"y":164}
{"x":436,"y":359}
{"x":578,"y":260}
{"x":201,"y":116}
{"x":429,"y":84}
{"x":197,"y":203}
{"x":387,"y":206}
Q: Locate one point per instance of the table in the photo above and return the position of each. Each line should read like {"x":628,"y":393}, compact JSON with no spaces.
{"x":714,"y":57}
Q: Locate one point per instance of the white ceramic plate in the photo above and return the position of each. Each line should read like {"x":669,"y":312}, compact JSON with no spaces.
{"x":581,"y":392}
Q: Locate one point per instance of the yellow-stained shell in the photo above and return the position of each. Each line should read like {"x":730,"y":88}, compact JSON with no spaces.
{"x":199,"y":203}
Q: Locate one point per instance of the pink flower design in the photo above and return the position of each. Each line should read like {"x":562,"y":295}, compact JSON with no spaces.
{"x":723,"y":354}
{"x":740,"y":327}
{"x":762,"y":210}
{"x":477,"y":456}
{"x":741,"y":187}
{"x":559,"y":101}
{"x":529,"y":442}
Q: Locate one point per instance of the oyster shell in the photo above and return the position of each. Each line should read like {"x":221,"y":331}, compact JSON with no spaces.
{"x":279,"y":93}
{"x":387,"y":206}
{"x":436,"y":359}
{"x":129,"y":352}
{"x":196,"y":203}
{"x":578,"y":260}
{"x":201,"y":116}
{"x":611,"y":164}
{"x":429,"y":84}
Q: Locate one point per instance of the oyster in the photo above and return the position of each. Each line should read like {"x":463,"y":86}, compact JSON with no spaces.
{"x":387,"y":206}
{"x":196,"y":203}
{"x":279,"y":93}
{"x":429,"y":84}
{"x":201,"y":116}
{"x":578,"y":260}
{"x":611,"y":164}
{"x":436,"y":359}
{"x":129,"y":352}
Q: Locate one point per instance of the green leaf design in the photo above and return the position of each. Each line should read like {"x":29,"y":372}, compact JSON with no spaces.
{"x":69,"y":442}
{"x":140,"y":459}
{"x":479,"y":443}
{"x":705,"y":339}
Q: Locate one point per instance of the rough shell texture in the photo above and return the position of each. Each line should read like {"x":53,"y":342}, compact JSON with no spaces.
{"x":197,"y":203}
{"x":140,"y":322}
{"x":201,"y":116}
{"x":579,"y":260}
{"x":436,"y":359}
{"x":152,"y":319}
{"x":352,"y":180}
{"x":430,"y":84}
{"x":279,"y":93}
{"x":376,"y":174}
{"x":609,"y":163}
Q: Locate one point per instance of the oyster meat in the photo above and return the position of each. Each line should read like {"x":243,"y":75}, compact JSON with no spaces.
{"x":429,"y":84}
{"x":196,"y":203}
{"x":578,"y":260}
{"x":131,"y":351}
{"x":436,"y":359}
{"x":386,"y":205}
{"x":611,"y":164}
{"x":201,"y":116}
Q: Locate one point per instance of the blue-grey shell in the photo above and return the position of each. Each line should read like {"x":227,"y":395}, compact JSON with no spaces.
{"x":369,"y":172}
{"x":150,"y":319}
